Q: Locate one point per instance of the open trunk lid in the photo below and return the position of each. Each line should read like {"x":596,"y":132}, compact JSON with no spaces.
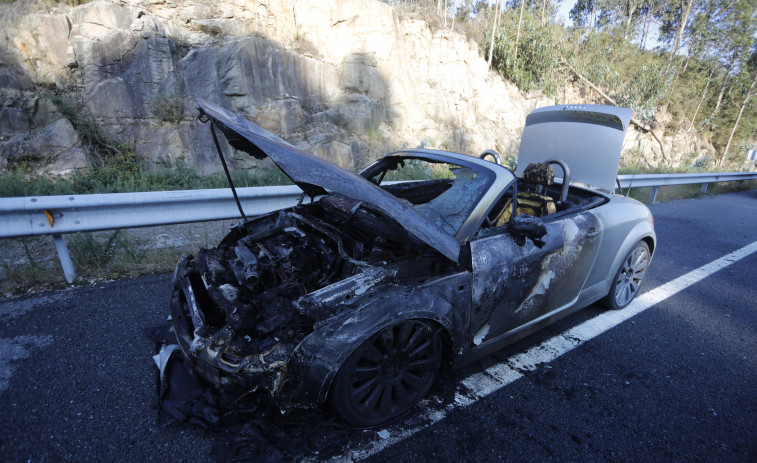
{"x":588,"y":138}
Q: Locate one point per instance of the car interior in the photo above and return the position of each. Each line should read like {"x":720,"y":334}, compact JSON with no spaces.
{"x":539,"y":196}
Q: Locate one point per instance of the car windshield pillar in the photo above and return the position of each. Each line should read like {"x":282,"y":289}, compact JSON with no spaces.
{"x":445,"y":193}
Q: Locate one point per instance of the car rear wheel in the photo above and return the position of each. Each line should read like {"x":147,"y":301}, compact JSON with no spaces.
{"x":625,"y":285}
{"x":387,"y":374}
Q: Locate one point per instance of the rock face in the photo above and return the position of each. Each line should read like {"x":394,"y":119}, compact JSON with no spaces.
{"x":346,"y":80}
{"x":57,"y":144}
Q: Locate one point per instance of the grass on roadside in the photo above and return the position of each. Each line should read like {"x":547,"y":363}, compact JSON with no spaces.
{"x":111,"y":179}
{"x":116,"y":255}
{"x":32,"y":263}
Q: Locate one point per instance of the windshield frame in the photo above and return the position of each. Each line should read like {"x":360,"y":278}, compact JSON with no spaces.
{"x":496,"y":178}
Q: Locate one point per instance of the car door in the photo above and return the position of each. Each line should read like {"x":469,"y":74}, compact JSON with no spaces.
{"x":514,"y":285}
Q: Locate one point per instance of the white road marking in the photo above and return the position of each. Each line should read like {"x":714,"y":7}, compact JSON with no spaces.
{"x":500,"y":375}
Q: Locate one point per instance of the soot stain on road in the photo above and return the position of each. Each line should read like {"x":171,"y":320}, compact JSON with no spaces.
{"x":254,"y":429}
{"x":251,"y":429}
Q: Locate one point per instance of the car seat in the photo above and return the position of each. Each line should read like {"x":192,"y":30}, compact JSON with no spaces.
{"x":536,"y":177}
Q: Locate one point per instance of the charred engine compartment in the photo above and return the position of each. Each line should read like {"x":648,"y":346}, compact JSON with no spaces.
{"x":238,"y":310}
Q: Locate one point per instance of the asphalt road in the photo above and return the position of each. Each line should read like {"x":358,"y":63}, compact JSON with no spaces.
{"x":678,"y":382}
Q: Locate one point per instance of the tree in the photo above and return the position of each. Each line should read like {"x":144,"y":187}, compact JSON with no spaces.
{"x":700,"y":79}
{"x":517,"y":35}
{"x":649,"y":10}
{"x":631,"y":10}
{"x":495,"y":23}
{"x":749,"y":67}
{"x":593,"y":14}
{"x":732,"y":26}
{"x":701,"y":100}
{"x":682,"y":22}
{"x":748,"y":95}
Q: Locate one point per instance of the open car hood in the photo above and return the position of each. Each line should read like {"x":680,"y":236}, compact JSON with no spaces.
{"x":317,"y":176}
{"x":588,"y":138}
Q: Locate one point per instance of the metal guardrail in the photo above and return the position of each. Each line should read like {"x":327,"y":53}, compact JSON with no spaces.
{"x":58,"y":215}
{"x":79,"y":213}
{"x":657,"y":180}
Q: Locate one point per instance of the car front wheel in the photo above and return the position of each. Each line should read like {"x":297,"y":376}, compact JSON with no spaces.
{"x":387,"y":374}
{"x":625,"y":285}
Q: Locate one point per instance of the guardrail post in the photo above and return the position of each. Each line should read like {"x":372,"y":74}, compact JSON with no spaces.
{"x":65,"y":258}
{"x":704,"y":188}
{"x":654,"y":194}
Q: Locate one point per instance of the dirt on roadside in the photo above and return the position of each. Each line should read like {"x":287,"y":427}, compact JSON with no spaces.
{"x":32,"y":264}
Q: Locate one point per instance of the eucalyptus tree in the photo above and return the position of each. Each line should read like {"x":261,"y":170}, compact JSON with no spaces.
{"x":593,"y":14}
{"x":616,"y":15}
{"x":649,"y":12}
{"x":748,"y":74}
{"x":683,"y":20}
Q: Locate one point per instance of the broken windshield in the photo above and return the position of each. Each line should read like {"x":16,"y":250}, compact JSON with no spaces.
{"x":444,"y":193}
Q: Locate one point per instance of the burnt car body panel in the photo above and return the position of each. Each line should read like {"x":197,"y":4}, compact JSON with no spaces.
{"x":533,"y":280}
{"x":315,"y":175}
{"x":317,"y":359}
{"x":287,"y":297}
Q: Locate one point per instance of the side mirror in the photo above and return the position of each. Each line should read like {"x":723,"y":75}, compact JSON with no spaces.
{"x":522,"y":227}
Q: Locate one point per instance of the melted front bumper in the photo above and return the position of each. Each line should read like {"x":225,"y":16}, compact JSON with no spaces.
{"x":208,"y":350}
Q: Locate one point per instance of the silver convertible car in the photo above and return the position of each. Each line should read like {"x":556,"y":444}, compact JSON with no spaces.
{"x":361,"y":293}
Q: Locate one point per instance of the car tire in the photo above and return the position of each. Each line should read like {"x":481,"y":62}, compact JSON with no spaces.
{"x":387,"y":374}
{"x":627,"y":281}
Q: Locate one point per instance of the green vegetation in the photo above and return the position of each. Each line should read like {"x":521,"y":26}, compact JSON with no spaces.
{"x":532,"y":61}
{"x":110,"y":179}
{"x":90,"y":253}
{"x":96,"y":256}
{"x":118,"y":168}
{"x":111,"y":254}
{"x":169,"y":108}
{"x":699,"y":77}
{"x":415,"y":169}
{"x":108,"y":154}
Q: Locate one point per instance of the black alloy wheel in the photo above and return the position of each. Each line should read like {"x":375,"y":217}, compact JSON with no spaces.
{"x":387,"y":374}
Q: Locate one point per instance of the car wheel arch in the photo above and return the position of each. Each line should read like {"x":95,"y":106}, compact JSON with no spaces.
{"x":650,"y":243}
{"x":389,"y":373}
{"x":628,"y":278}
{"x":316,"y":360}
{"x":641,"y":232}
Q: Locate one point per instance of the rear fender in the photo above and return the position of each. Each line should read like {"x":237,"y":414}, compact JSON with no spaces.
{"x":642,"y":231}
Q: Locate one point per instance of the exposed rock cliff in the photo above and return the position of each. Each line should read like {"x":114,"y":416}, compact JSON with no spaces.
{"x":346,"y":80}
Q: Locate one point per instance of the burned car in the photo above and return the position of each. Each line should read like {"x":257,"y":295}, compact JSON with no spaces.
{"x":360,"y":293}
